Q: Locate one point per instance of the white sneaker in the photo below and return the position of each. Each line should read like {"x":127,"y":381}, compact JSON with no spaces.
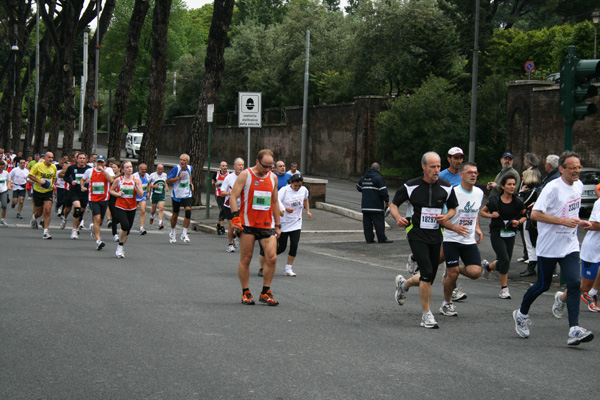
{"x":116,"y":238}
{"x":504,"y":294}
{"x":411,"y":265}
{"x":63,"y":223}
{"x":428,"y":321}
{"x":485,"y":271}
{"x":448,"y":310}
{"x":185,"y":238}
{"x":578,"y":335}
{"x":558,"y":308}
{"x":92,"y":231}
{"x":521,"y":325}
{"x":3,"y":222}
{"x":458,"y":295}
{"x":289,"y":272}
{"x":236,"y":243}
{"x":47,"y":236}
{"x":34,"y":223}
{"x":400,"y":293}
{"x":142,"y":230}
{"x":172,"y":237}
{"x":74,"y":234}
{"x":120,"y":253}
{"x":81,"y":225}
{"x":231,"y":248}
{"x":99,"y":244}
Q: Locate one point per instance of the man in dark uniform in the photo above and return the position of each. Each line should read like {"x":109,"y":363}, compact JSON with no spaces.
{"x":375,"y":200}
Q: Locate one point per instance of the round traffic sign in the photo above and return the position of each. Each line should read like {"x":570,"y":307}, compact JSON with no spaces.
{"x":529,"y":66}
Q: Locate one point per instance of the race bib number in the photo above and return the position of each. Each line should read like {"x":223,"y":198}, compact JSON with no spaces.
{"x":468,"y":220}
{"x":2,"y":181}
{"x":97,"y":187}
{"x":160,"y":188}
{"x":428,"y":220}
{"x":570,"y":210}
{"x":261,"y":200}
{"x":78,"y":177}
{"x":127,"y":192}
{"x":184,"y":185}
{"x":507,"y":233}
{"x":144,"y":187}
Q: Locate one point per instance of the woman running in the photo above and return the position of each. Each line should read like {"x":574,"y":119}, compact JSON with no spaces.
{"x":124,"y":189}
{"x":507,"y":212}
{"x":529,"y":195}
{"x":292,"y":198}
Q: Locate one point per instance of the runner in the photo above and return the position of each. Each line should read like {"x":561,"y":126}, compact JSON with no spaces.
{"x":99,"y":180}
{"x":217,"y":181}
{"x":113,"y":223}
{"x":557,"y":214}
{"x":180,"y":177}
{"x":43,"y":175}
{"x":125,"y":189}
{"x":226,"y":186}
{"x":18,"y":178}
{"x":427,"y":195}
{"x":507,"y":212}
{"x":462,"y":234}
{"x":78,"y":194}
{"x":257,"y":216}
{"x":62,"y":188}
{"x":157,"y":184}
{"x":141,"y":200}
{"x":5,"y":186}
{"x":292,"y":199}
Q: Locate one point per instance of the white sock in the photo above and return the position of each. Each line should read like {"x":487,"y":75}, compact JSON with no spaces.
{"x":152,"y":216}
{"x":288,"y":267}
{"x":445,"y":302}
{"x":404,"y":287}
{"x":173,"y":231}
{"x":184,"y":231}
{"x":593,"y":292}
{"x":45,"y":230}
{"x":521,"y":315}
{"x":160,"y":221}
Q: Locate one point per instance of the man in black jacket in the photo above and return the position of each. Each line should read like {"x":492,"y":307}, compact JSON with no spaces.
{"x":375,"y":199}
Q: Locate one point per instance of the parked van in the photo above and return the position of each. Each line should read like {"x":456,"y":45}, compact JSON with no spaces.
{"x":133,"y":143}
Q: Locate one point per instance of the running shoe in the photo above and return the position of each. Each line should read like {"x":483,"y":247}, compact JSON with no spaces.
{"x":47,"y":236}
{"x":63,"y":223}
{"x":19,"y":216}
{"x":120,"y":253}
{"x":231,"y":248}
{"x":521,"y":325}
{"x":185,"y":238}
{"x":109,"y":223}
{"x":458,"y":295}
{"x":3,"y":222}
{"x":161,"y":227}
{"x":485,"y":269}
{"x":428,"y":321}
{"x":151,"y":218}
{"x":289,"y":272}
{"x":448,"y":310}
{"x":592,"y":302}
{"x":504,"y":294}
{"x":34,"y":223}
{"x":142,"y":230}
{"x":172,"y":237}
{"x":247,"y":298}
{"x":236,"y":242}
{"x":116,"y":238}
{"x":99,"y":244}
{"x":578,"y":335}
{"x":268,"y":298}
{"x":411,"y":265}
{"x":13,"y":205}
{"x":81,"y":225}
{"x":74,"y":234}
{"x":260,"y":272}
{"x":400,"y":293}
{"x":521,"y":259}
{"x":558,"y":308}
{"x":92,"y":231}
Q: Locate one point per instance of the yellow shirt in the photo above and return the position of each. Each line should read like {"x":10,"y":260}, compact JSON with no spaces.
{"x":42,"y":171}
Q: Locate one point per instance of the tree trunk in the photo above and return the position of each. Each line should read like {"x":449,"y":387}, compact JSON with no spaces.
{"x":56,"y":111}
{"x":47,"y":68}
{"x":211,"y":85}
{"x":117,"y":120}
{"x":158,"y":76}
{"x":87,"y":136}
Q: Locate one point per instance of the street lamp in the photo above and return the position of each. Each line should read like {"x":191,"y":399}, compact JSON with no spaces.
{"x":595,"y":20}
{"x":14,"y":49}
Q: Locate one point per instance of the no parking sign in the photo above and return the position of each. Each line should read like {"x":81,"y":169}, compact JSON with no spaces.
{"x":529,"y":66}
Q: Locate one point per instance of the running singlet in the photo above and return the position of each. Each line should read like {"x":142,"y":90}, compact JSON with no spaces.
{"x":144,"y":186}
{"x":75,"y":173}
{"x":181,"y":188}
{"x":127,"y":201}
{"x":98,"y":188}
{"x":3,"y":181}
{"x":219,"y":177}
{"x":469,"y":204}
{"x":256,"y":201}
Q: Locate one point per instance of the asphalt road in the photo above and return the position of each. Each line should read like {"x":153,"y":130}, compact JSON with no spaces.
{"x":166,"y":323}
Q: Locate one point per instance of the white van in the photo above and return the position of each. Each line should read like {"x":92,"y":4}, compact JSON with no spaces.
{"x":133,"y":143}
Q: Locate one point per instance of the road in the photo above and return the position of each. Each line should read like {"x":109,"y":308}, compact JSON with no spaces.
{"x":166,"y":323}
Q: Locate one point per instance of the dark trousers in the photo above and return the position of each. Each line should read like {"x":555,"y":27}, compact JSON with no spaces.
{"x":377,"y":220}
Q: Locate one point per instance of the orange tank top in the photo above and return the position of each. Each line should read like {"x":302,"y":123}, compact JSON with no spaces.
{"x":256,"y":208}
{"x":127,"y":201}
{"x":98,"y":188}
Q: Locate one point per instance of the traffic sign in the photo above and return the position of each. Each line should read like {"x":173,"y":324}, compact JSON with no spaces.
{"x":529,"y":66}
{"x":249,"y":106}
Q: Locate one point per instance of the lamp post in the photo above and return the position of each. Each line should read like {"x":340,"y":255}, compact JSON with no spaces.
{"x":595,"y":20}
{"x":14,"y":50}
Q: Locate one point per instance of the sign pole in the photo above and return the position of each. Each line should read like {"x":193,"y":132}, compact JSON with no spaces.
{"x":249,"y":113}
{"x":209,"y":118}
{"x":248,"y":165}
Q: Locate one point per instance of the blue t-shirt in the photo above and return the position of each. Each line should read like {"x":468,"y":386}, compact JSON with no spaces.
{"x":282,"y":180}
{"x":181,"y":188}
{"x":453,"y":179}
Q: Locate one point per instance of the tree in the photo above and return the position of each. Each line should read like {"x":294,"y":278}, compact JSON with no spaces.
{"x":158,"y":74}
{"x":211,"y":85}
{"x":117,"y":122}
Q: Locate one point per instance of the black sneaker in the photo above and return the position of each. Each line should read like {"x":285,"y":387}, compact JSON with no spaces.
{"x":260,"y":272}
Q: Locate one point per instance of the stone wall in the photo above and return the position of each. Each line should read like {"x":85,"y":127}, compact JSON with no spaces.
{"x":534,"y":125}
{"x":341,"y":137}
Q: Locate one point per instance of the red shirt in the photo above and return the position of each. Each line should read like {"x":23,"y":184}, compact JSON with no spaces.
{"x":127,"y":201}
{"x":256,"y":201}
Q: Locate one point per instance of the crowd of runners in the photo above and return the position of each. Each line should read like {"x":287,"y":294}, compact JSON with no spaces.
{"x":265,"y":203}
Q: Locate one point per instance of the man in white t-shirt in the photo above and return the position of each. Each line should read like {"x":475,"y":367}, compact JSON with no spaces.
{"x":557,"y":214}
{"x":226,"y":186}
{"x":462,"y":234}
{"x":18,"y":177}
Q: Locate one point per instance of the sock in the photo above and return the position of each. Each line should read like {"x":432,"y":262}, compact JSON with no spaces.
{"x":244,"y":290}
{"x":288,"y":267}
{"x":426,"y":312}
{"x":173,"y":231}
{"x":152,"y":216}
{"x":593,"y":292}
{"x":504,"y":287}
{"x":445,"y":302}
{"x":520,"y":314}
{"x":121,"y":244}
{"x":404,"y":287}
{"x":184,"y":231}
{"x":160,"y":221}
{"x":265,"y":289}
{"x":45,"y":230}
